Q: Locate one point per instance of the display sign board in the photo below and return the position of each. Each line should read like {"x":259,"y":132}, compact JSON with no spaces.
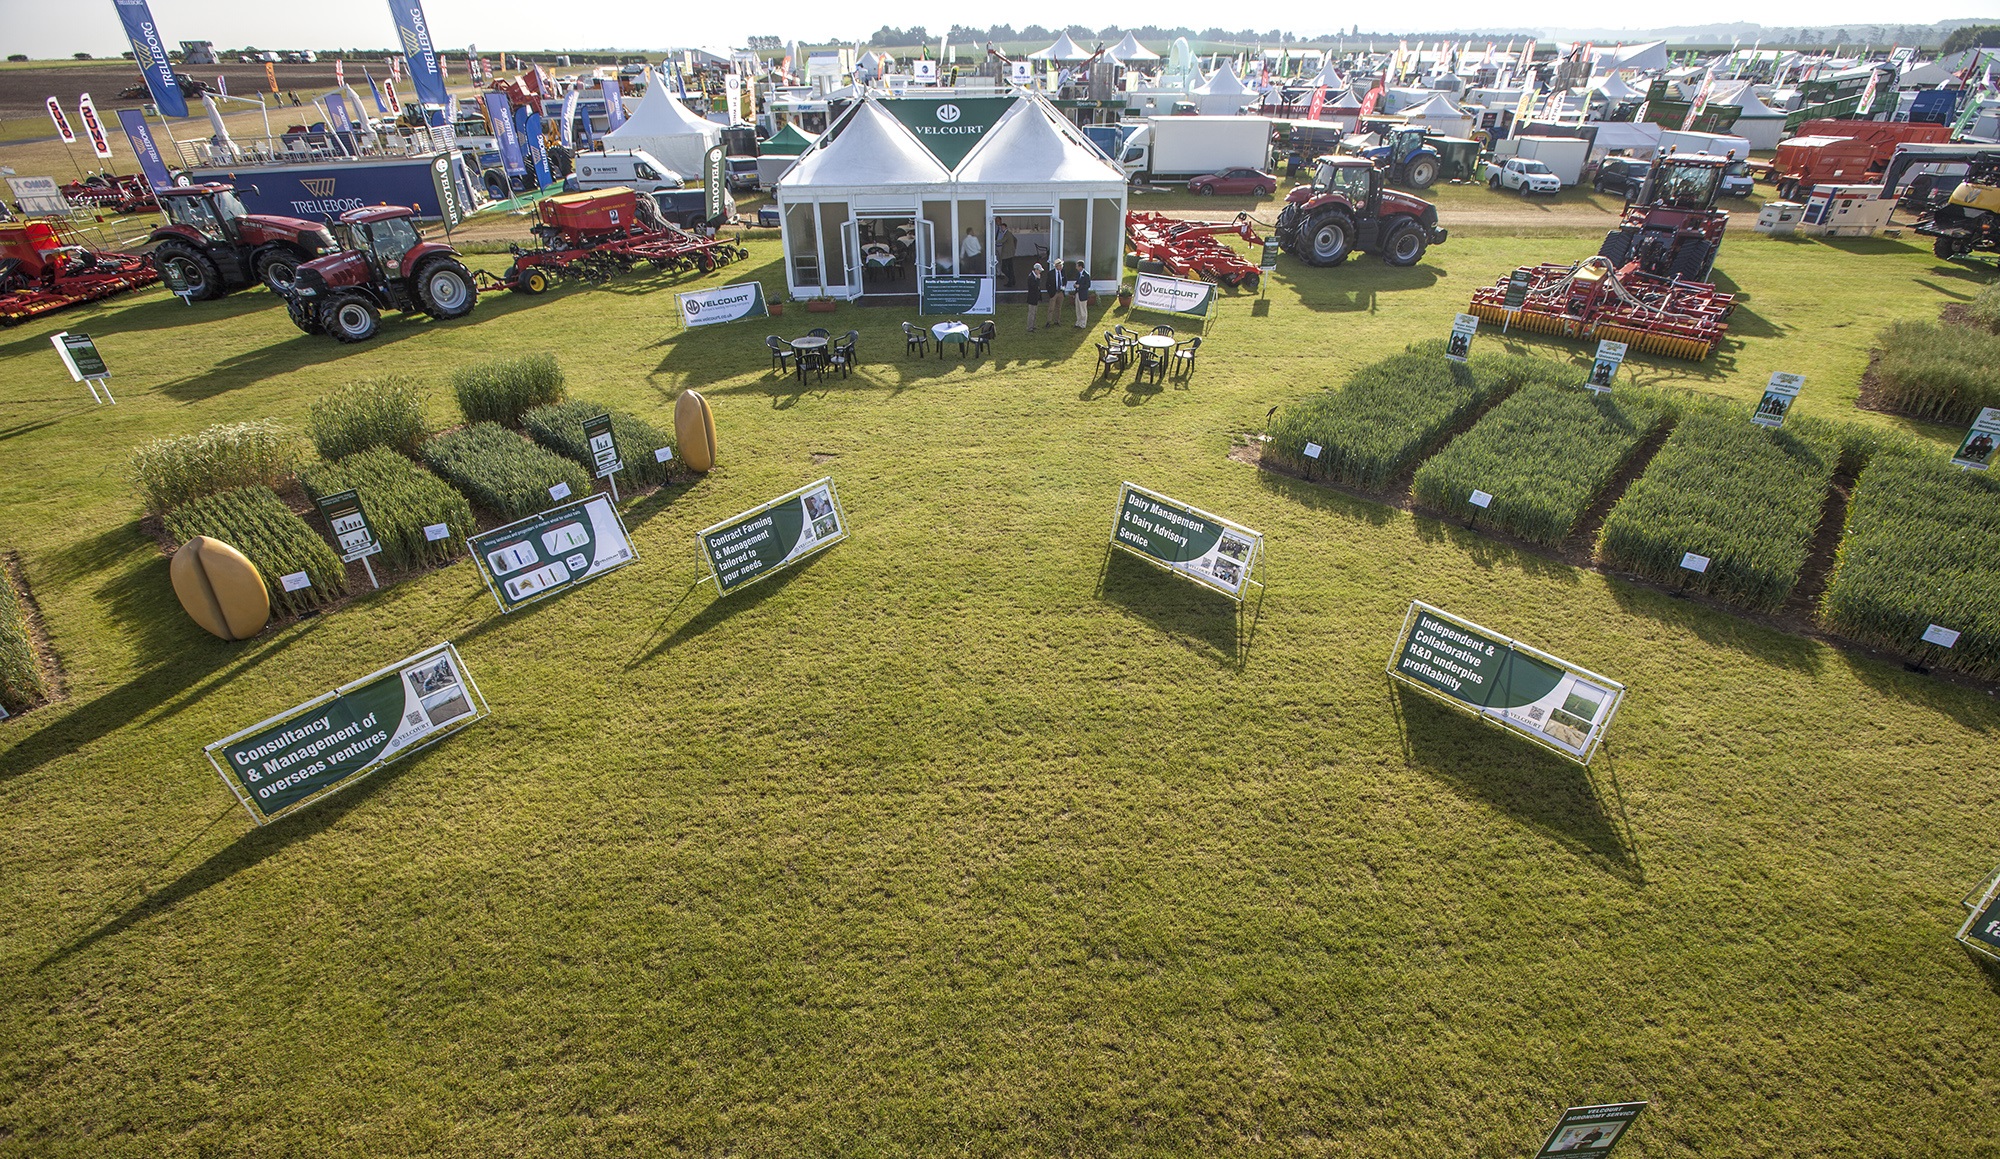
{"x":1981,"y":931}
{"x":1269,"y":261}
{"x":723,"y":304}
{"x":955,"y":294}
{"x":1481,"y":499}
{"x":603,"y":446}
{"x":1167,"y":295}
{"x":1517,"y":289}
{"x":444,"y":183}
{"x":1694,"y":563}
{"x":950,"y":127}
{"x":1610,"y":356}
{"x":1940,"y":635}
{"x":774,"y":536}
{"x":39,"y":197}
{"x":1779,"y":395}
{"x":1976,"y":449}
{"x":1555,"y":704}
{"x":1021,"y":72}
{"x":80,"y":356}
{"x":534,"y":558}
{"x":714,"y":192}
{"x":1459,"y":346}
{"x":293,"y":759}
{"x":1208,"y":549}
{"x":1590,"y":1131}
{"x":349,"y":521}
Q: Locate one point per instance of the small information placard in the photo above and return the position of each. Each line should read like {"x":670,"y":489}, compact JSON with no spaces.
{"x":1517,"y":289}
{"x":1313,"y":450}
{"x":1779,"y":395}
{"x":663,"y":454}
{"x":1975,"y":451}
{"x":774,"y":536}
{"x":1269,"y":261}
{"x":1610,"y":356}
{"x":559,"y":492}
{"x":537,"y":557}
{"x":295,"y":581}
{"x":603,"y":446}
{"x":1208,"y":549}
{"x":436,"y":531}
{"x":1481,"y":498}
{"x":1459,"y":346}
{"x":1590,"y":1131}
{"x":1940,"y":635}
{"x":1694,"y":563}
{"x":80,"y":356}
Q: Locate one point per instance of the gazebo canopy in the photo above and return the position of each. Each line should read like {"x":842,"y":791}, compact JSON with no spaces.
{"x":1030,"y":145}
{"x":1614,"y":88}
{"x":1343,"y":102}
{"x":1223,"y":82}
{"x":667,"y":129}
{"x":868,"y":149}
{"x":1129,"y":49}
{"x":1063,"y":49}
{"x":789,"y":141}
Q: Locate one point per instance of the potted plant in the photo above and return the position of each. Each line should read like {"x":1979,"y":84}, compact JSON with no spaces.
{"x":1125,"y":294}
{"x":819,"y":305}
{"x":776,"y":307}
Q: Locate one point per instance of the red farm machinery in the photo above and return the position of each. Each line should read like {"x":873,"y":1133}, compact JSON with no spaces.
{"x":1649,"y":284}
{"x":592,"y":236}
{"x":1190,"y":249}
{"x":44,"y":266}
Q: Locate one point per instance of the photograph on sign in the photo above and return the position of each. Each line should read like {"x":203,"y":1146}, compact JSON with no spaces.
{"x":773,"y":536}
{"x":1782,"y":391}
{"x":298,"y":756}
{"x":1554,"y":703}
{"x":1463,"y":327}
{"x":1164,"y":295}
{"x":955,"y":294}
{"x":1976,"y":449}
{"x":1590,"y":1131}
{"x":1207,"y":549}
{"x":536,"y":557}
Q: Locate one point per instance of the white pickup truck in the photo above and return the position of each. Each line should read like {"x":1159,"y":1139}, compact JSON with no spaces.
{"x":1523,"y":173}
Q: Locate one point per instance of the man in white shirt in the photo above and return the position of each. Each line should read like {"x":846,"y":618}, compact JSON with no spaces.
{"x":969,"y":250}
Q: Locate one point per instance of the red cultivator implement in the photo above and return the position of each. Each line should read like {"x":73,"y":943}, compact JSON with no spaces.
{"x":1594,"y":299}
{"x":128,"y":194}
{"x":1189,"y":249}
{"x":595,"y":235}
{"x":44,"y":266}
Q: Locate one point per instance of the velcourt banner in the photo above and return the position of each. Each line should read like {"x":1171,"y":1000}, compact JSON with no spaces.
{"x":1166,"y":295}
{"x":774,"y":536}
{"x":1981,"y":931}
{"x":1208,"y":549}
{"x":1550,"y":701}
{"x":955,"y":294}
{"x":723,"y":304}
{"x":537,"y":557}
{"x":291,"y":760}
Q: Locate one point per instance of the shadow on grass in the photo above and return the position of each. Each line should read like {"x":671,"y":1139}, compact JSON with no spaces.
{"x":1487,"y":553}
{"x":662,"y":498}
{"x":1200,"y":618}
{"x":1718,"y":625}
{"x":1968,"y":707}
{"x":1557,"y":798}
{"x":1325,"y":498}
{"x":719,"y":608}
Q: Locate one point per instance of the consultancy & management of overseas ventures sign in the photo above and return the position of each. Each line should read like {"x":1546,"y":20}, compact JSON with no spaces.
{"x":534,"y":558}
{"x":296,"y":757}
{"x":1548,"y":700}
{"x":1208,"y":549}
{"x":770,"y":538}
{"x":1167,"y":295}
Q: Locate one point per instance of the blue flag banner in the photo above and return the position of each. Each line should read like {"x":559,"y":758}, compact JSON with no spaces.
{"x":380,"y":106}
{"x":538,"y":153}
{"x":614,"y":106}
{"x":336,"y":113}
{"x":504,"y":134}
{"x":140,"y":134}
{"x":150,"y":52}
{"x":415,"y":34}
{"x":569,"y":119}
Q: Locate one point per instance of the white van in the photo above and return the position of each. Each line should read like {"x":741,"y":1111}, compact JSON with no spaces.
{"x":632,"y":168}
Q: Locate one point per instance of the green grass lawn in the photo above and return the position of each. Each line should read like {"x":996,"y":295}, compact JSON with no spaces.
{"x":965,"y":838}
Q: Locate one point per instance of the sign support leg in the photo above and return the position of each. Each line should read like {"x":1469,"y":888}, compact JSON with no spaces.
{"x":370,"y":569}
{"x":612,"y":482}
{"x":106,"y":384}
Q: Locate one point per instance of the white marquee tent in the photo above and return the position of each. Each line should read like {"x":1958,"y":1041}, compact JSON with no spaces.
{"x":666,"y":128}
{"x":1758,"y":123}
{"x":1064,"y":49}
{"x":1442,"y":116}
{"x":1129,"y":50}
{"x":1224,"y":93}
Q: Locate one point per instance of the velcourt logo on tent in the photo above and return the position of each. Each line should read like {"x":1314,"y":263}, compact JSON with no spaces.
{"x":947,"y":114}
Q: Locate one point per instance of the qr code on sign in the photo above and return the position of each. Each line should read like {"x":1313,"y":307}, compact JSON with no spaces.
{"x":415,"y":718}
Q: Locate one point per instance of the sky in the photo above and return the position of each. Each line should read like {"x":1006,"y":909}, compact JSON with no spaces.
{"x":47,"y":28}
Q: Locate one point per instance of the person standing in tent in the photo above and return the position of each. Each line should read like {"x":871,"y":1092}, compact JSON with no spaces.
{"x":1034,"y":295}
{"x":1052,"y":289}
{"x":969,"y":250}
{"x":1007,"y":245}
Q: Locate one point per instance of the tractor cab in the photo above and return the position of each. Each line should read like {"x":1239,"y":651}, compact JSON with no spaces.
{"x":385,"y":235}
{"x":1403,"y":142}
{"x":1688,"y":181}
{"x":210,"y":210}
{"x":1354,"y":178}
{"x":1674,"y":229}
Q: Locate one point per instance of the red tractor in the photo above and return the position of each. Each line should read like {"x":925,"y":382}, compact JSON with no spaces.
{"x":387,"y":265}
{"x":211,"y":245}
{"x":1673,"y":229}
{"x":1346,"y":208}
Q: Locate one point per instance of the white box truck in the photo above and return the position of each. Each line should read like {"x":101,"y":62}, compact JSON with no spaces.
{"x":1177,"y":148}
{"x":1563,"y":155}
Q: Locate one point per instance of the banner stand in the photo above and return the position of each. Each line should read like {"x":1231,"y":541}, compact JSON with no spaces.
{"x":723,"y":550}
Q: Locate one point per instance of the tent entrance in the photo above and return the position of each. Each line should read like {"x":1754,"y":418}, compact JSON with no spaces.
{"x":892,"y":248}
{"x":1029,"y":235}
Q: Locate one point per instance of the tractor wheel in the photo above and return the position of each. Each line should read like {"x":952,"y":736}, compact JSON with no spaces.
{"x":278,"y":268}
{"x":1617,"y":246}
{"x":705,"y":261}
{"x":1422,"y":173}
{"x":1329,"y":238}
{"x":1406,"y":245}
{"x":350,"y":318}
{"x":1687,"y":261}
{"x":445,"y":289}
{"x":1788,"y":190}
{"x":194,"y":267}
{"x":1945,"y":248}
{"x":536,"y":281}
{"x":304,"y":316}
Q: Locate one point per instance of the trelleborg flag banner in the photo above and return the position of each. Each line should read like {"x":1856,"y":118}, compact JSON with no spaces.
{"x":768,"y":538}
{"x":723,"y":304}
{"x":1550,"y":701}
{"x":1208,"y":549}
{"x":569,"y":119}
{"x":614,"y":105}
{"x":504,"y":134}
{"x":291,"y":760}
{"x":414,"y":33}
{"x":1165,"y":295}
{"x":140,"y":134}
{"x":149,"y":51}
